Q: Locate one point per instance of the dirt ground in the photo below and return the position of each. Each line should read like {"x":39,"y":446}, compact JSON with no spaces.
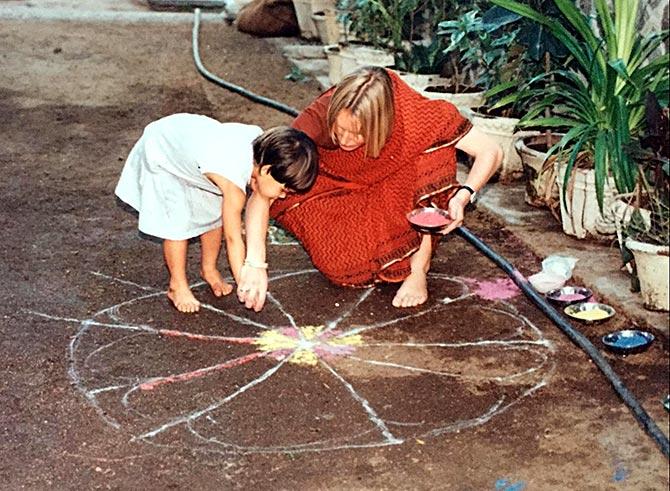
{"x":106,"y":386}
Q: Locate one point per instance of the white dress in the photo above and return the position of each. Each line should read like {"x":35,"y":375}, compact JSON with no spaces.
{"x":163,"y":177}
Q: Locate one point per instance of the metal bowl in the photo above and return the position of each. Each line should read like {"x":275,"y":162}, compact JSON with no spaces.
{"x":429,"y":219}
{"x":586,"y":311}
{"x":568,"y":295}
{"x":628,"y":341}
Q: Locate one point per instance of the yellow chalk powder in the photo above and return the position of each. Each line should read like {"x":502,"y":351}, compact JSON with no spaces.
{"x":591,"y":315}
{"x":274,"y":340}
{"x":304,"y":341}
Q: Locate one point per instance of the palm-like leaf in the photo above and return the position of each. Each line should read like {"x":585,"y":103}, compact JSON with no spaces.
{"x":601,"y":99}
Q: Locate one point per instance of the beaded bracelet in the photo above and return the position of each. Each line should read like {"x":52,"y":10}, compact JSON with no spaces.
{"x":254,"y":264}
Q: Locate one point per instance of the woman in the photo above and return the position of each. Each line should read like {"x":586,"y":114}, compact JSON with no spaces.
{"x":384,"y":149}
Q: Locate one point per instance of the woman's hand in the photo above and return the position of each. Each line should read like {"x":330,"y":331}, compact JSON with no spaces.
{"x":456,"y":210}
{"x":253,"y":286}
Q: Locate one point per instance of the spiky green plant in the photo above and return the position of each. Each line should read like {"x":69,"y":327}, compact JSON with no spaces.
{"x":599,"y":99}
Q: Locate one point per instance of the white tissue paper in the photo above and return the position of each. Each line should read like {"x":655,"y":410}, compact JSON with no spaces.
{"x":556,"y":271}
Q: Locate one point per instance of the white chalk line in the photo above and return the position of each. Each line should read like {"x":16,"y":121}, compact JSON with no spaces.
{"x":283,"y":311}
{"x":196,"y":414}
{"x":366,"y":406}
{"x":242,"y":320}
{"x":458,"y":375}
{"x":125,"y":282}
{"x":315,"y":446}
{"x":361,"y":298}
{"x":105,"y":347}
{"x":311,"y":446}
{"x":465,"y":293}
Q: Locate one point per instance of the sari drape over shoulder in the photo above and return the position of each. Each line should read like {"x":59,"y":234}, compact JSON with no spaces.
{"x":353,"y":221}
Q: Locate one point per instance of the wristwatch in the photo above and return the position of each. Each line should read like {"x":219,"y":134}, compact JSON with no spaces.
{"x":473,"y":193}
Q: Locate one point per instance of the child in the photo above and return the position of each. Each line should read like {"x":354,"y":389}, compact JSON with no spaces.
{"x":187,"y":176}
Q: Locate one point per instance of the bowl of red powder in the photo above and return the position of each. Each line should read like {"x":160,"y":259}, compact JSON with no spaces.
{"x":429,"y":219}
{"x":568,"y":295}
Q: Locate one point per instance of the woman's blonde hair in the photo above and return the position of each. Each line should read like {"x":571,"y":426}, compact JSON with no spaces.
{"x":368,"y":94}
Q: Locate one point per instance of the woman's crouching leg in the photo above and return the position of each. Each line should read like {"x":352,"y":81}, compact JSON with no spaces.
{"x":414,"y":289}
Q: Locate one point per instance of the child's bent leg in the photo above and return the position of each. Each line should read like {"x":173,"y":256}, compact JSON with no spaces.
{"x":414,"y":290}
{"x":210,"y":242}
{"x":179,"y":292}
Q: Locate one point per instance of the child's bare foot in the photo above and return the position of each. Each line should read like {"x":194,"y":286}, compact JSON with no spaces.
{"x":183,"y":299}
{"x":413,"y":291}
{"x":216,"y":282}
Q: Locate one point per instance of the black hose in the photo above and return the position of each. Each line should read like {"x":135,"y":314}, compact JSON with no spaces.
{"x":232,"y":87}
{"x":575,"y":336}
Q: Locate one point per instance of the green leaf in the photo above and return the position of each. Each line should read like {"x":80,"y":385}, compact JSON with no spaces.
{"x":551,"y":122}
{"x":501,"y":87}
{"x":562,"y":34}
{"x":571,"y":164}
{"x":497,"y":17}
{"x":601,"y":166}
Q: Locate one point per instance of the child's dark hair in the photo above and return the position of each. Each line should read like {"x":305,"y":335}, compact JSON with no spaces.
{"x":291,"y":155}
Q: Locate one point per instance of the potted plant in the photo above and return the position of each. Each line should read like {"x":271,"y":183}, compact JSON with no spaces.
{"x":599,"y":99}
{"x":489,"y":54}
{"x":540,"y":50}
{"x":420,"y":63}
{"x":646,"y":235}
{"x":396,"y":33}
{"x":471,"y":57}
{"x":421,"y":58}
{"x":376,"y":26}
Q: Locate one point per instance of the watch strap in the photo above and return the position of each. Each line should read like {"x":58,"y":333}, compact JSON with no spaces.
{"x":472,"y":192}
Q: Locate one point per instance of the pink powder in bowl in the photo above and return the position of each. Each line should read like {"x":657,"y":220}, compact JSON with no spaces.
{"x":428,"y":218}
{"x":570,"y":297}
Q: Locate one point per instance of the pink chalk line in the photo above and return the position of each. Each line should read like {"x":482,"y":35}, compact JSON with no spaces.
{"x":204,"y":337}
{"x":202,"y":371}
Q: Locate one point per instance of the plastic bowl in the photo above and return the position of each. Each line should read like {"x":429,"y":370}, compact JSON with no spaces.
{"x":429,"y":219}
{"x":568,"y":295}
{"x":589,"y":312}
{"x":628,"y":341}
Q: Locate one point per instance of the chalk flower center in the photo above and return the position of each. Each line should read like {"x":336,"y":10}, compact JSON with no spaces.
{"x":305,"y":345}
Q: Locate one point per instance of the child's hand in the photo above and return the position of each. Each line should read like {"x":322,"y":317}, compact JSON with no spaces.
{"x":253,"y":287}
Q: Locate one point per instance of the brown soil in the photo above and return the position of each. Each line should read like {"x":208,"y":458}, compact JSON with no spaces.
{"x":462,"y":393}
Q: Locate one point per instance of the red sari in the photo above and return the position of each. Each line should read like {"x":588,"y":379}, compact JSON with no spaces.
{"x":352,"y":222}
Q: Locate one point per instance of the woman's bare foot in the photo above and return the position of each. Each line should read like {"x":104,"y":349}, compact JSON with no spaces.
{"x":216,"y":282}
{"x":183,"y":299}
{"x":413,"y":291}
